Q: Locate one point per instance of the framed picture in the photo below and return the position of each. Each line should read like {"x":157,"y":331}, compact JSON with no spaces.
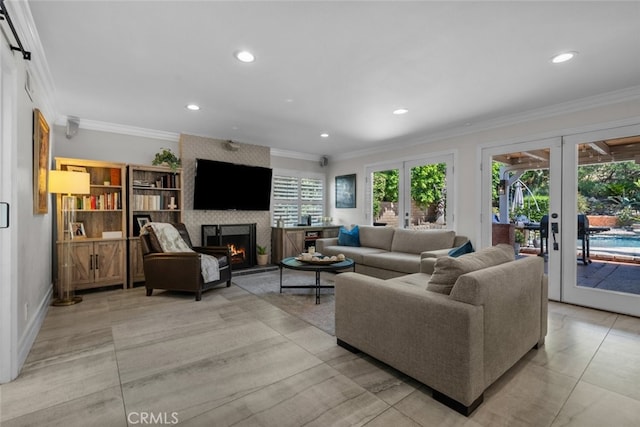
{"x":76,"y":168}
{"x":40,"y":163}
{"x":138,"y":222}
{"x":346,"y":191}
{"x":76,"y":229}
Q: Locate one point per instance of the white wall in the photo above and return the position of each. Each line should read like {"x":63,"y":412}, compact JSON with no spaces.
{"x":109,"y":146}
{"x":467,"y":169}
{"x":27,"y":288}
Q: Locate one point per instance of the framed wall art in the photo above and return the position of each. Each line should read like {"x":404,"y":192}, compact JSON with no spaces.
{"x":346,"y":191}
{"x":40,"y":163}
{"x":139,"y":221}
{"x":76,"y":229}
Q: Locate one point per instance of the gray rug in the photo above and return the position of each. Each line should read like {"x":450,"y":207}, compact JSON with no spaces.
{"x":297,"y":302}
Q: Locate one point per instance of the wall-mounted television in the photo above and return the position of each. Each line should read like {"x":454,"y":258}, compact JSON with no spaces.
{"x":231,"y":186}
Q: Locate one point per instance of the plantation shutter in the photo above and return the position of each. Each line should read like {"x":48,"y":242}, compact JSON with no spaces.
{"x":294,"y":196}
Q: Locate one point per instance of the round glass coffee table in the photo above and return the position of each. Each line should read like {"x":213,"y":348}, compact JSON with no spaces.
{"x":293,"y":264}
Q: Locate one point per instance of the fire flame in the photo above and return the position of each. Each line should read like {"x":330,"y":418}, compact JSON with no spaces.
{"x":237,"y":252}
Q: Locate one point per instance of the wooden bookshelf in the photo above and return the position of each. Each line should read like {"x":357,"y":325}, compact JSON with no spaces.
{"x":154,"y":193}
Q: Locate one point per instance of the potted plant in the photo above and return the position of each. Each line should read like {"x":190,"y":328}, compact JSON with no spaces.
{"x":166,"y":157}
{"x":263,"y":257}
{"x":519,"y":240}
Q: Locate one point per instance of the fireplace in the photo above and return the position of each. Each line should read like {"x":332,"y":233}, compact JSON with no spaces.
{"x":240,"y":238}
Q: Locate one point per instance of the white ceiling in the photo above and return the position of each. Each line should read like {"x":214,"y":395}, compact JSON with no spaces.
{"x":335,"y":67}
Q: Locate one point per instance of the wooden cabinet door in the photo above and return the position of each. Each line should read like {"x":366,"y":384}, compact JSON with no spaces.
{"x":293,"y":243}
{"x":109,"y":261}
{"x":81,"y":263}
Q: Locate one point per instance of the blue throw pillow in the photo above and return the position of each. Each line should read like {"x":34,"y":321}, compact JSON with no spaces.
{"x":461,"y":250}
{"x":349,"y":237}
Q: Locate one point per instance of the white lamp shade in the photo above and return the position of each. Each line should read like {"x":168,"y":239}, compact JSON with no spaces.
{"x":67,"y":182}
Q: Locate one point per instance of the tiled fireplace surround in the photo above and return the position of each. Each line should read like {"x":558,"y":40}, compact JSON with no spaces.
{"x":195,"y":147}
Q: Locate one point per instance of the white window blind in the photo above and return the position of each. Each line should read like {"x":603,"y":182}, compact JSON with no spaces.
{"x":296,"y":193}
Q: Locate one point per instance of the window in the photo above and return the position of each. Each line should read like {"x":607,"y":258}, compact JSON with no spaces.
{"x":296,"y":194}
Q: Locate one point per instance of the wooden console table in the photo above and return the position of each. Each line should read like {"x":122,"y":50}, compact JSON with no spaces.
{"x":292,"y":241}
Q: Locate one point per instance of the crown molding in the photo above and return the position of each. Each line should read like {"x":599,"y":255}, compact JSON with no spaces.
{"x":295,"y":155}
{"x":123,"y":129}
{"x":582,"y":104}
{"x":38,"y":66}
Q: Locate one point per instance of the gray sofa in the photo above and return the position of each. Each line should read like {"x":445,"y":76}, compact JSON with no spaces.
{"x":457,"y":344}
{"x":387,"y":252}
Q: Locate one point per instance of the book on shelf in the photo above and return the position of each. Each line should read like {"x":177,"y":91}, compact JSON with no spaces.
{"x":153,"y":202}
{"x":115,"y":176}
{"x":105,"y":201}
{"x":169,"y":180}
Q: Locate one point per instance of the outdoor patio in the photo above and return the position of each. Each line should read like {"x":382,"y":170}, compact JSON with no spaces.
{"x":610,"y":276}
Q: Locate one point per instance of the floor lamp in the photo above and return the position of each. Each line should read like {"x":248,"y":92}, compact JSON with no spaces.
{"x":68,"y":184}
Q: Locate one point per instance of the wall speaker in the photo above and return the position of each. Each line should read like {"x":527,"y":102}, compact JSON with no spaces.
{"x":324,"y":161}
{"x":73,"y":124}
{"x":231,"y":146}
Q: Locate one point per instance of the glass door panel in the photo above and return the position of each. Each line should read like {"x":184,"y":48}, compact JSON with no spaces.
{"x":426,"y":195}
{"x":521,"y":202}
{"x":601,"y":169}
{"x":386,"y":194}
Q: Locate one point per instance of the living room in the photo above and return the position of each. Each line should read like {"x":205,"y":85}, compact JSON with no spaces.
{"x":27,"y":284}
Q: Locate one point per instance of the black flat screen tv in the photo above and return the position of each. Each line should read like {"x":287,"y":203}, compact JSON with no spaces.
{"x":231,"y":186}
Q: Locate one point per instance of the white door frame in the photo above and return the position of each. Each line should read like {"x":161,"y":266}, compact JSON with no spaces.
{"x":404,"y":191}
{"x":597,"y":298}
{"x":555,"y":204}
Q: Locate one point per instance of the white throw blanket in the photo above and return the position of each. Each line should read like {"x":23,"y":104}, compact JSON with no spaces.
{"x":171,"y":241}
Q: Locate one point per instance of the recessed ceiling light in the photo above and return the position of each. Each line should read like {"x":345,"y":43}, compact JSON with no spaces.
{"x":245,"y":56}
{"x":193,"y":107}
{"x":324,"y":135}
{"x":563,"y":57}
{"x":400,"y":111}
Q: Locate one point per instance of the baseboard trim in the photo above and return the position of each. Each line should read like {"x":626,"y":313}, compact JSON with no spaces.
{"x":33,"y":327}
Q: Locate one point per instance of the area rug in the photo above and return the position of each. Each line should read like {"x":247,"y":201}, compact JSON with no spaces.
{"x":298,"y":302}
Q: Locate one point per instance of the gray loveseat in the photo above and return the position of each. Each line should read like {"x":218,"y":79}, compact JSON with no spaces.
{"x":457,"y":344}
{"x":387,"y":252}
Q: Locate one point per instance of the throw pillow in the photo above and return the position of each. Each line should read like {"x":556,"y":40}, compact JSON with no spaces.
{"x":447,"y":269}
{"x":349,"y":237}
{"x":461,"y":250}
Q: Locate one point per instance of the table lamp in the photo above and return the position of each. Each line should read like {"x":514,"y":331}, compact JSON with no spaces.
{"x":68,"y":184}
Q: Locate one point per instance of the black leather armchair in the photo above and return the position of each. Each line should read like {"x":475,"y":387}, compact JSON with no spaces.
{"x":180,"y":271}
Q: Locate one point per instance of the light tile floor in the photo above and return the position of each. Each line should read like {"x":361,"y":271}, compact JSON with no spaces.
{"x":121,"y":358}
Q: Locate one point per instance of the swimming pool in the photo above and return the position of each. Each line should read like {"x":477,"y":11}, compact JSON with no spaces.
{"x":609,"y":241}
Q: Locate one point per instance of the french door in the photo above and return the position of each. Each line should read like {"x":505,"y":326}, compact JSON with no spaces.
{"x":610,"y":278}
{"x":513,"y":161}
{"x":411,"y":193}
{"x":580,"y":271}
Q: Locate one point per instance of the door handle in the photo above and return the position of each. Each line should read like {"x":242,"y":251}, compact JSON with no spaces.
{"x":554,"y":231}
{"x":4,"y":215}
{"x":97,"y":264}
